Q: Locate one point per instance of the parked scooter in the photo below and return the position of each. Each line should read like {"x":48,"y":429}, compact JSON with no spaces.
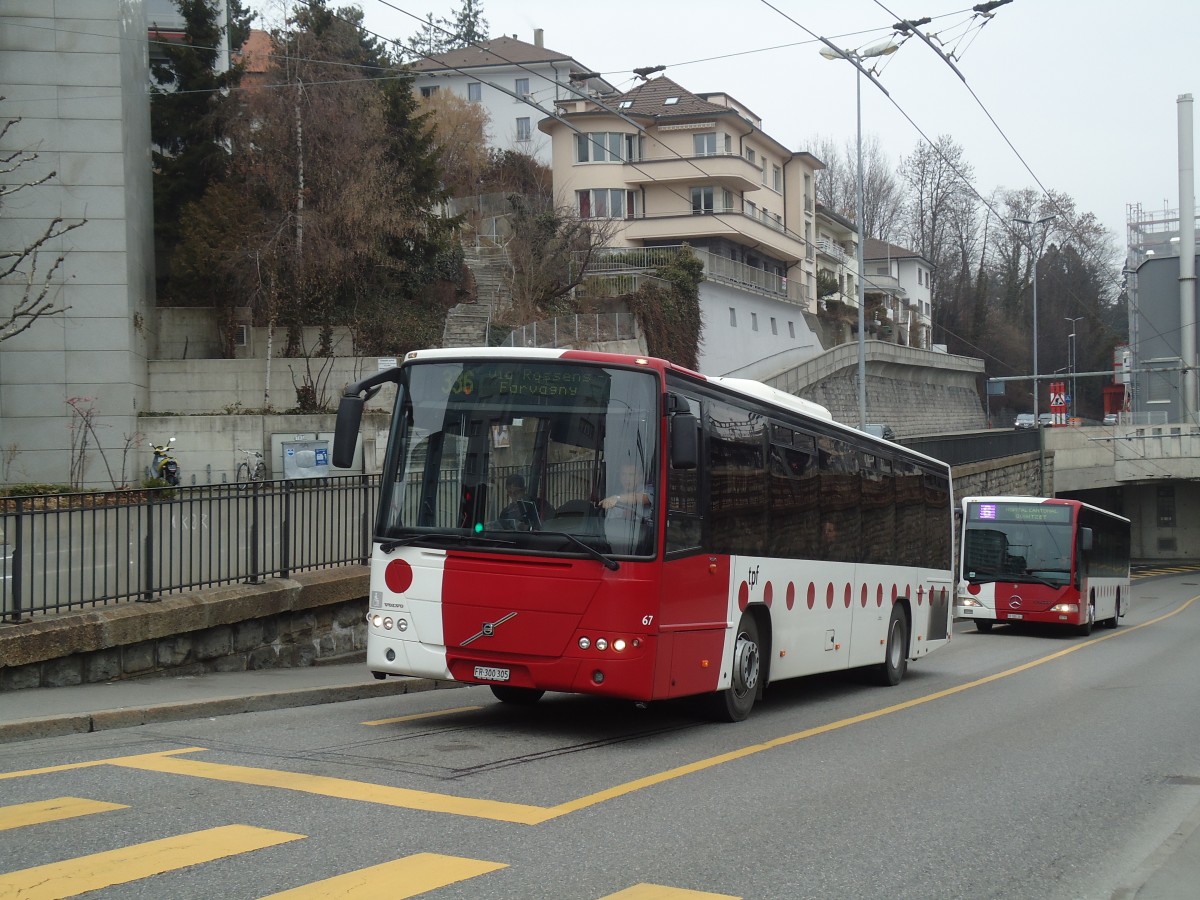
{"x":164,"y":465}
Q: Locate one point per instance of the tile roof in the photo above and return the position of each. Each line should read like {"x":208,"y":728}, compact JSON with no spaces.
{"x":501,"y":51}
{"x":255,"y":52}
{"x":650,"y":99}
{"x":873,"y":248}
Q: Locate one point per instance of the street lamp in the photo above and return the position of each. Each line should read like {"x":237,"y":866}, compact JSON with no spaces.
{"x":1073,"y":357}
{"x":1043,"y":223}
{"x":855,"y":57}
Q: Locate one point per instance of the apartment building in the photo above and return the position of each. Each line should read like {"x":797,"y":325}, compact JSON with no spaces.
{"x":898,"y":290}
{"x":516,"y":83}
{"x":670,"y":166}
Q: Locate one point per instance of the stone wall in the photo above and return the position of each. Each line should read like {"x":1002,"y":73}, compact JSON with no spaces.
{"x":1012,"y":476}
{"x":301,"y":621}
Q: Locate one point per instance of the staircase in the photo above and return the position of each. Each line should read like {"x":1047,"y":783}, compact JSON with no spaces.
{"x":467,"y":323}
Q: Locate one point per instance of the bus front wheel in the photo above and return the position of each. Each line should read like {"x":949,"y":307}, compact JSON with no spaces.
{"x":518,"y":696}
{"x":895,"y":656}
{"x":1086,"y":628}
{"x":735,"y":702}
{"x":983,"y":626}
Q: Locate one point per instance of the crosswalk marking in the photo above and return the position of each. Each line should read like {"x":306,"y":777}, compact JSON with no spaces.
{"x":662,"y":892}
{"x":394,"y":880}
{"x":21,"y":814}
{"x":424,"y":715}
{"x":72,"y":877}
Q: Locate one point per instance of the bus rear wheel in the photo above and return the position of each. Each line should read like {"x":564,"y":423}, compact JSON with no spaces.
{"x":735,"y":702}
{"x":517,"y":696}
{"x":895,"y":657}
{"x":1116,"y":616}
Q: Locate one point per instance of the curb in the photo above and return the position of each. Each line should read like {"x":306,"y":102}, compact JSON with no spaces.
{"x":131,"y":716}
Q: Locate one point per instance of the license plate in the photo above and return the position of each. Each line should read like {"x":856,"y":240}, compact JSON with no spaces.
{"x":487,"y":673}
{"x":1016,"y":616}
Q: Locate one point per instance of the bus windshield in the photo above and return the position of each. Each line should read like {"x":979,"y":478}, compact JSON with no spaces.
{"x":1018,"y":542}
{"x":515,"y":453}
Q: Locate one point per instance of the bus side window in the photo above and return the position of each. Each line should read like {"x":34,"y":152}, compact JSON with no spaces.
{"x":683,"y":500}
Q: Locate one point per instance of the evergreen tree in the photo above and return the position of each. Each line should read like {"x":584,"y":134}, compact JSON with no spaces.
{"x":187,"y":96}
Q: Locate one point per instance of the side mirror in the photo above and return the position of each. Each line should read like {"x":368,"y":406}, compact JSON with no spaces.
{"x":685,"y":441}
{"x":1085,"y":539}
{"x":345,"y":431}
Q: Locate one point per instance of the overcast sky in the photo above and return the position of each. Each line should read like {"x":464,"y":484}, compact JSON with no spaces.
{"x":1085,"y":92}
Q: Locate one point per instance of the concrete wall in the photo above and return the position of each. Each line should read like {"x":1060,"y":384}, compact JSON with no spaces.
{"x":283,"y":623}
{"x":76,"y":75}
{"x":764,"y":329}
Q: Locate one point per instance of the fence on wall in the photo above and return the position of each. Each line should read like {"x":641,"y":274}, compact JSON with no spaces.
{"x":76,"y":551}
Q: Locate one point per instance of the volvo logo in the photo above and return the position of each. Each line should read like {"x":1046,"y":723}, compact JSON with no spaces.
{"x":1014,"y":602}
{"x":487,"y":629}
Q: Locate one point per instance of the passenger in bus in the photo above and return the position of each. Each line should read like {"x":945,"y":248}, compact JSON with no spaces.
{"x":521,"y":512}
{"x":829,"y":540}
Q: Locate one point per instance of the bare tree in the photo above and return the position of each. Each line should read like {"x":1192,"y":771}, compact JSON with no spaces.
{"x":837,"y":184}
{"x":31,"y":263}
{"x":549,"y":252}
{"x":460,"y":131}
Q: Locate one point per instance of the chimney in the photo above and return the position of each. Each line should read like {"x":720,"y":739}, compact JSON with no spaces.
{"x":537,"y":37}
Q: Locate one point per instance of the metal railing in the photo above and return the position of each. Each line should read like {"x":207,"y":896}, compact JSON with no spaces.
{"x":72,"y":551}
{"x":570,"y":331}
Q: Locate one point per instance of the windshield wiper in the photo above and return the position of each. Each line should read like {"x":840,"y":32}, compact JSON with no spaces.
{"x":609,"y":563}
{"x":389,"y":546}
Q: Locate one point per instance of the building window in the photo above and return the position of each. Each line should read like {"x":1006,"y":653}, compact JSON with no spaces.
{"x":774,"y":326}
{"x":607,"y":146}
{"x":792,"y":330}
{"x":732,"y":317}
{"x":670,"y":101}
{"x":1166,"y":506}
{"x":754,"y":321}
{"x":474,"y":91}
{"x":428,"y":92}
{"x":522,"y":87}
{"x":605,"y":203}
{"x":750,"y":155}
{"x":704,"y":144}
{"x":523,"y":129}
{"x":728,"y":143}
{"x":777,"y":175}
{"x":702,"y":200}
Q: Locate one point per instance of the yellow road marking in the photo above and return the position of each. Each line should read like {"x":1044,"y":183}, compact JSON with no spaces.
{"x":21,"y":814}
{"x":67,"y":767}
{"x":424,"y":715}
{"x":661,"y":892}
{"x":100,"y":870}
{"x":524,"y":814}
{"x":322,"y":785}
{"x":394,"y":880}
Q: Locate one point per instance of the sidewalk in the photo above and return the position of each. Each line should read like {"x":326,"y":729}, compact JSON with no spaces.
{"x":48,"y":712}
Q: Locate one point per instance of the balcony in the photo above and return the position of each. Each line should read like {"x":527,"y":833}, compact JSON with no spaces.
{"x":727,"y":170}
{"x":833,"y":251}
{"x":734,"y":225}
{"x":618,"y":265}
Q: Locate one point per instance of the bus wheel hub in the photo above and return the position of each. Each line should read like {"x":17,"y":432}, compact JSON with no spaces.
{"x":745,"y":666}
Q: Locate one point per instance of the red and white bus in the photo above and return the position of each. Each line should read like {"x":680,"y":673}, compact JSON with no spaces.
{"x":676,"y":534}
{"x":1029,"y":559}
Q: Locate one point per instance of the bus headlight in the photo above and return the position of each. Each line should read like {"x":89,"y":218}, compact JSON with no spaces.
{"x":402,"y":624}
{"x":619,"y":645}
{"x":584,"y":643}
{"x":1065,"y":607}
{"x":387,"y":623}
{"x":601,"y":644}
{"x":968,"y":601}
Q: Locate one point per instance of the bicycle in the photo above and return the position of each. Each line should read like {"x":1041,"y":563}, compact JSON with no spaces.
{"x":253,"y":468}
